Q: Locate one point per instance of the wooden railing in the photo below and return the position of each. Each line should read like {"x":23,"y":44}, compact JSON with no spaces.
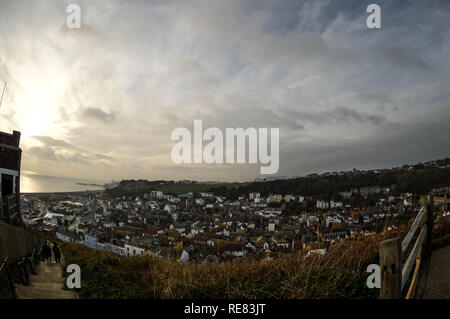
{"x":394,"y":275}
{"x":10,"y":207}
{"x":20,"y":252}
{"x":26,"y":266}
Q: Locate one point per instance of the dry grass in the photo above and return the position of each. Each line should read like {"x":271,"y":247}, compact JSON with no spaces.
{"x":341,"y":273}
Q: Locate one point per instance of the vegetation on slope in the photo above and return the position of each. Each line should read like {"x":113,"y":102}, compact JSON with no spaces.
{"x":341,"y":273}
{"x":415,"y":181}
{"x":133,"y":187}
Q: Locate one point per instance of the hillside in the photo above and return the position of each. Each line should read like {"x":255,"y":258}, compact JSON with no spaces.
{"x":417,"y":181}
{"x":341,"y":273}
{"x":133,"y":187}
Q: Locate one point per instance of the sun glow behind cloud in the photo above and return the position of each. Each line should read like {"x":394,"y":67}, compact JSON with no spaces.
{"x":38,"y":96}
{"x":102,"y":101}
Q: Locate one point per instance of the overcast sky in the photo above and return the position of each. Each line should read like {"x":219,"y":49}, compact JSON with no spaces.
{"x":101,"y":102}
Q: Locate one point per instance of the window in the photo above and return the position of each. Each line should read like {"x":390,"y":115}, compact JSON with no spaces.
{"x":7,"y":185}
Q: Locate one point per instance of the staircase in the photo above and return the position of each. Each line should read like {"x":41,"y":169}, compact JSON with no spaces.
{"x":47,"y":284}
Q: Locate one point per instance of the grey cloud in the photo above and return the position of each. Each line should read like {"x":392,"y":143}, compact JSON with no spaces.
{"x":197,"y":73}
{"x":52,"y":142}
{"x":342,"y":95}
{"x":104,"y":157}
{"x":97,"y":114}
{"x":59,"y":150}
{"x":337,"y":114}
{"x":45,"y":153}
{"x":77,"y":158}
{"x":397,"y":145}
{"x":341,"y":113}
{"x":84,"y":34}
{"x":404,"y":58}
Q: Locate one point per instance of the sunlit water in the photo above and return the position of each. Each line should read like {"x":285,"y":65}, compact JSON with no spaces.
{"x":33,"y":183}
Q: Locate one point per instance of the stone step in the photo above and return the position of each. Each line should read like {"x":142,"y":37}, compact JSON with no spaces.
{"x":50,"y":273}
{"x":31,"y":292}
{"x":48,"y":267}
{"x":56,"y":274}
{"x":46,"y":278}
{"x":47,"y":285}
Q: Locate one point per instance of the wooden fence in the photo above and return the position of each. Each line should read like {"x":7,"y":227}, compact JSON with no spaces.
{"x":394,"y":275}
{"x":19,"y":253}
{"x":10,"y":207}
{"x":16,"y":242}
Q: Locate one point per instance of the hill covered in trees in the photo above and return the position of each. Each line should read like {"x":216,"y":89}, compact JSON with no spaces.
{"x":415,"y":181}
{"x":418,"y":179}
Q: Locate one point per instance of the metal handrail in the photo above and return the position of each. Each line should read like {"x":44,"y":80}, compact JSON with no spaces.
{"x":23,"y":272}
{"x":31,"y":261}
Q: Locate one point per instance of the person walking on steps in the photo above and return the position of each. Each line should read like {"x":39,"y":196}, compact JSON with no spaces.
{"x":47,"y":252}
{"x":56,"y":253}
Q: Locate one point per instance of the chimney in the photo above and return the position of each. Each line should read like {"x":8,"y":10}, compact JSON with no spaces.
{"x":16,"y":136}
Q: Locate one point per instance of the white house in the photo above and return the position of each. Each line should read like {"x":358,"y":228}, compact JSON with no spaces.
{"x":317,"y":252}
{"x":336,"y":204}
{"x":133,"y":250}
{"x":253,"y":196}
{"x":322,"y":204}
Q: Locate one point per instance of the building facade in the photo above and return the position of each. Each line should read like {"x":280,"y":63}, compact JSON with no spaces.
{"x":10,"y":161}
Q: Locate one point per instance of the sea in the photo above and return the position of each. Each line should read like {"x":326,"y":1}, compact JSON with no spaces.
{"x":35,"y":183}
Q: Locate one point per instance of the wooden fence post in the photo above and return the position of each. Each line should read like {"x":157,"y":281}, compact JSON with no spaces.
{"x":430,"y":219}
{"x":391,"y":268}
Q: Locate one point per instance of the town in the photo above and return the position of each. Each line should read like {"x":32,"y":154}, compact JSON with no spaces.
{"x":205,"y":226}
